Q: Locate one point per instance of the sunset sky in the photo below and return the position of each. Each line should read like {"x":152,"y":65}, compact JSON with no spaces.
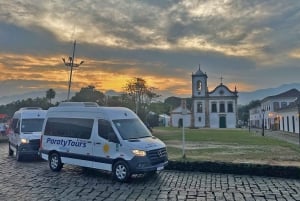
{"x":251,"y":44}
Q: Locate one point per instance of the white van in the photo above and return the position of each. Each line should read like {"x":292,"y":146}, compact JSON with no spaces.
{"x":26,"y":127}
{"x":113,"y":139}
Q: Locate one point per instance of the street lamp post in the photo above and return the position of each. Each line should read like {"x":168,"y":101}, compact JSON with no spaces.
{"x":298,"y":106}
{"x":263,"y":122}
{"x":70,"y":63}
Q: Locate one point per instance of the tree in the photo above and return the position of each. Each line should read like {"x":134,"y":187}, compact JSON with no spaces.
{"x":50,"y":94}
{"x":141,"y":96}
{"x":243,"y":111}
{"x":89,"y":94}
{"x":159,"y":108}
{"x":12,"y":107}
{"x":173,"y":102}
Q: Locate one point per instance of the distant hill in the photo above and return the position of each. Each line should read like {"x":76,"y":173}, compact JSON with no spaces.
{"x":246,"y":97}
{"x":8,"y":99}
{"x":60,"y":96}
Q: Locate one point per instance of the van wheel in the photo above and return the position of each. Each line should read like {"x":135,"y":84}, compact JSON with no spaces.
{"x":55,"y":162}
{"x":121,"y":171}
{"x":10,"y":151}
{"x":18,"y":155}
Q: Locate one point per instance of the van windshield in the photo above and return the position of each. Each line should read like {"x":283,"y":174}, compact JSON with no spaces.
{"x":131,"y":128}
{"x":32,"y":125}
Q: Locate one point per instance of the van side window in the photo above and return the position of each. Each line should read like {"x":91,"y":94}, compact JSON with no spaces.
{"x":69,"y":127}
{"x":15,"y":125}
{"x":106,"y":131}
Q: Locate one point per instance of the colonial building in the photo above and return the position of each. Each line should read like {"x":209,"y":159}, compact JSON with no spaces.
{"x":210,"y":109}
{"x":278,"y":112}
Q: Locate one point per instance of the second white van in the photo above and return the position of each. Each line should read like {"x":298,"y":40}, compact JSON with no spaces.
{"x":25,"y":132}
{"x":113,"y":139}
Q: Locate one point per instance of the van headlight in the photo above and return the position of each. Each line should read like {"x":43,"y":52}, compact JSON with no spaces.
{"x":24,"y":141}
{"x":139,"y":152}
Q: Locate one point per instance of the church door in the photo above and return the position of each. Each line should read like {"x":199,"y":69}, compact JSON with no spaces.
{"x":180,"y":123}
{"x":222,"y":122}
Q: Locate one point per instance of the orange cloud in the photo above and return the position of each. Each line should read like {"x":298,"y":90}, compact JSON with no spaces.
{"x":52,"y":73}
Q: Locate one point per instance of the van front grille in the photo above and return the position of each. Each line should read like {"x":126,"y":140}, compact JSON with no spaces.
{"x":35,"y":144}
{"x":157,"y":156}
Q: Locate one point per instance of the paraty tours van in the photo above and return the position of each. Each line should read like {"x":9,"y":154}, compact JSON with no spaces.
{"x":113,"y":139}
{"x":25,"y":132}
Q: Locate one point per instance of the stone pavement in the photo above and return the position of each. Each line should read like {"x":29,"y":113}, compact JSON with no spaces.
{"x":34,"y":181}
{"x":284,"y":136}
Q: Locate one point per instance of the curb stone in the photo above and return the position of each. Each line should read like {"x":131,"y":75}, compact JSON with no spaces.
{"x":237,"y":168}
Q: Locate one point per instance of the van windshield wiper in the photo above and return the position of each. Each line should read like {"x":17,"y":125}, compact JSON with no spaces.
{"x":145,"y":136}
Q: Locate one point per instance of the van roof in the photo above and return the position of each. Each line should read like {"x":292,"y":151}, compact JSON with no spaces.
{"x":89,"y":109}
{"x":30,"y":113}
{"x":30,"y":108}
{"x":78,"y":104}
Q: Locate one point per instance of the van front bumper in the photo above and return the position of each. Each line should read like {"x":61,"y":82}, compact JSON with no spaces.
{"x":32,"y":148}
{"x":139,"y":165}
{"x":27,"y":149}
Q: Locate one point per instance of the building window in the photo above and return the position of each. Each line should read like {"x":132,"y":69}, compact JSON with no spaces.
{"x":199,"y":119}
{"x":283,"y":104}
{"x":222,"y":107}
{"x":288,"y":123}
{"x":214,"y":107}
{"x":230,"y":107}
{"x":276,"y":105}
{"x":293,"y":119}
{"x":199,"y":107}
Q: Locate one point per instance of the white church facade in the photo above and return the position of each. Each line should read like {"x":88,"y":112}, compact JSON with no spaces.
{"x":209,"y":109}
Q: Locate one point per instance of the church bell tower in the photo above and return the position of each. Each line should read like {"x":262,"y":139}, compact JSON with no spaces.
{"x":199,"y":84}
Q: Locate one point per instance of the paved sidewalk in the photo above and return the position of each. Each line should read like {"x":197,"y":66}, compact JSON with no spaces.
{"x":34,"y":181}
{"x":285,"y":136}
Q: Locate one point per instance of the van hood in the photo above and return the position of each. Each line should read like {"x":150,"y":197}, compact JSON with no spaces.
{"x":145,"y":144}
{"x":31,"y":135}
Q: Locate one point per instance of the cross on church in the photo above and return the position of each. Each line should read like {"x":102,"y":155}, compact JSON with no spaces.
{"x":221,"y":78}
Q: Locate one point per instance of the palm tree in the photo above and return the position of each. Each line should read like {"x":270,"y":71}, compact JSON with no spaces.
{"x":50,"y":94}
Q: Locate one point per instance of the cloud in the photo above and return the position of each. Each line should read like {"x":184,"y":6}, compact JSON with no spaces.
{"x":247,"y":42}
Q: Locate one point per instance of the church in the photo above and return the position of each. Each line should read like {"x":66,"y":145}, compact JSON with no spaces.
{"x":210,"y":109}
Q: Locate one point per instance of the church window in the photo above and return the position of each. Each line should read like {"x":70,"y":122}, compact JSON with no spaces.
{"x":222,"y":107}
{"x":214,"y":107}
{"x":199,"y":85}
{"x":230,"y":107}
{"x":199,"y":119}
{"x":199,"y":107}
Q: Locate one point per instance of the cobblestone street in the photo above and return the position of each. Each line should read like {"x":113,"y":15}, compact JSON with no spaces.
{"x":33,"y":180}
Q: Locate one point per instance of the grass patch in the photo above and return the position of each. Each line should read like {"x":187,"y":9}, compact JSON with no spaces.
{"x":227,"y":145}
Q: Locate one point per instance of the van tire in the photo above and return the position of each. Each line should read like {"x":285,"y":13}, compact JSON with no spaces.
{"x":55,"y":162}
{"x":121,"y":171}
{"x":10,"y":151}
{"x":18,"y":155}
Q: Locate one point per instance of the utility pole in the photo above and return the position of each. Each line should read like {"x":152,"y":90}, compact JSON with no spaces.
{"x":70,"y":63}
